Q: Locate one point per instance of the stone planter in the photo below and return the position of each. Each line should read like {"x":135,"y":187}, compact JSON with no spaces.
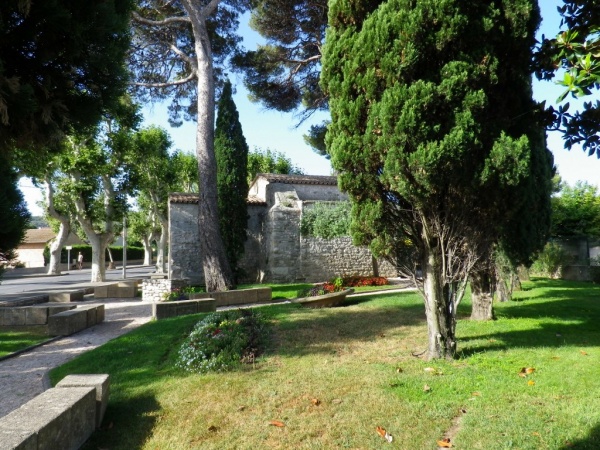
{"x":325,"y":300}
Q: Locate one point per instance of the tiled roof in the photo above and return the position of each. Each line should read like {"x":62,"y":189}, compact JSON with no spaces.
{"x":299,"y":179}
{"x":38,"y":236}
{"x":178,"y":197}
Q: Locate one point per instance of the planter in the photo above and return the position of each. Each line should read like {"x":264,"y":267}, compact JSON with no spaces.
{"x":325,"y":300}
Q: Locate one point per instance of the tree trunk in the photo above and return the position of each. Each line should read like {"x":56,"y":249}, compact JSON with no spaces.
{"x":375,"y":264}
{"x":439,"y":308}
{"x":99,"y":244}
{"x":161,"y":249}
{"x":482,"y":295}
{"x":57,"y":246}
{"x":147,"y":243}
{"x":217,"y":272}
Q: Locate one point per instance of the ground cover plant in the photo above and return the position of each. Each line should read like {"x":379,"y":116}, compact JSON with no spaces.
{"x":15,"y":340}
{"x":330,"y":377}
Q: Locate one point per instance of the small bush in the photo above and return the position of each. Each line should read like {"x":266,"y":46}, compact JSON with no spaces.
{"x":326,"y":220}
{"x":365,"y":281}
{"x":339,"y":284}
{"x":223,"y":341}
{"x":550,"y":261}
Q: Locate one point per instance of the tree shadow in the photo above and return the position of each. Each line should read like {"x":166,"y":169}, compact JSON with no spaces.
{"x":577,"y":326}
{"x":322,"y":331}
{"x":591,"y":442}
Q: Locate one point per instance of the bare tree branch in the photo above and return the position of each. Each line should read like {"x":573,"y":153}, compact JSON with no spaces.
{"x":190,"y":77}
{"x":175,"y":20}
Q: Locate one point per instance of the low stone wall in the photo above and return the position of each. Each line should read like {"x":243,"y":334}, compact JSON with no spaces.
{"x":69,"y":322}
{"x":121,"y":289}
{"x":576,"y":273}
{"x":63,"y":417}
{"x":164,"y":310}
{"x":30,"y":315}
{"x":237,"y":297}
{"x":154,"y":289}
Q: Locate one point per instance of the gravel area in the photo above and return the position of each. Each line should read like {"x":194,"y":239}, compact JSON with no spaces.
{"x":25,"y":376}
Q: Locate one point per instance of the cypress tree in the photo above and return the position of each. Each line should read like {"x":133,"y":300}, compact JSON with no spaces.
{"x":231,"y":151}
{"x":433,"y":133}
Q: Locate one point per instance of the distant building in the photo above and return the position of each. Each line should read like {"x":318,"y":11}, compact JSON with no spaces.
{"x":31,"y":251}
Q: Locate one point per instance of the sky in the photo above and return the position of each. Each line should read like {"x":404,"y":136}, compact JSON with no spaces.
{"x":280,"y":131}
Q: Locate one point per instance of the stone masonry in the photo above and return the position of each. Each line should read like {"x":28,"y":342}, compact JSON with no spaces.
{"x":275,"y":251}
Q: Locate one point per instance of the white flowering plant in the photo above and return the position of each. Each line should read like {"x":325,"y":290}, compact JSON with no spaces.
{"x":223,"y":341}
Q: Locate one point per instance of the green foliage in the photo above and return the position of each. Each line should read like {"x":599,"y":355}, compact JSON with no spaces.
{"x":61,"y":65}
{"x":550,"y":261}
{"x":576,"y":211}
{"x":185,"y":165}
{"x":270,"y":161}
{"x":326,"y":220}
{"x":14,"y":216}
{"x":574,"y":53}
{"x":223,"y":340}
{"x":231,"y":152}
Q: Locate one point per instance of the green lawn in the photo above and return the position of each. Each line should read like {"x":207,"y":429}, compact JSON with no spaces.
{"x":333,"y":375}
{"x":12,"y":341}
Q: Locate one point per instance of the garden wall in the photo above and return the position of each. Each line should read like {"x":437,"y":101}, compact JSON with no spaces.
{"x":274,"y":251}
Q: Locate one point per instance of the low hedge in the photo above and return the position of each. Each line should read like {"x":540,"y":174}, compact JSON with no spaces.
{"x":86,"y":250}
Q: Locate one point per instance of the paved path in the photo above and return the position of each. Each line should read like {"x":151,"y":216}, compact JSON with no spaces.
{"x":25,"y":376}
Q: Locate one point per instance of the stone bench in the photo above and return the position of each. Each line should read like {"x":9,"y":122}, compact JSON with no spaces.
{"x":30,"y":315}
{"x":122,"y":289}
{"x":69,"y":322}
{"x":66,"y":296}
{"x":163,"y":310}
{"x":63,"y":417}
{"x":238,"y":297}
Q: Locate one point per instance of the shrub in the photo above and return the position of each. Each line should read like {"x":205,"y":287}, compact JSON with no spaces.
{"x":551,"y":261}
{"x":339,"y":284}
{"x":595,"y":269}
{"x":326,"y":220}
{"x":223,"y":341}
{"x":357,"y":281}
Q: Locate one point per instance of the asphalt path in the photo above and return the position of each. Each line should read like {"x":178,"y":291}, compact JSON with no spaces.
{"x":24,"y":285}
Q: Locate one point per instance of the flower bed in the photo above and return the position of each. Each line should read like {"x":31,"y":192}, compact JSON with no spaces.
{"x":325,"y":300}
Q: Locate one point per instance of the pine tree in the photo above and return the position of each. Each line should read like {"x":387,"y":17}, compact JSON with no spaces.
{"x":433,"y":133}
{"x":231,"y":152}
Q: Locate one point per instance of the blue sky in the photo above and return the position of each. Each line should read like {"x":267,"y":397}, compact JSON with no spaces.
{"x":278,"y":131}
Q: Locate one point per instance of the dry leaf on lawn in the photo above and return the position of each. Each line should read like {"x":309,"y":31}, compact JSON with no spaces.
{"x":583,"y":353}
{"x":384,"y":434}
{"x":444,"y":443}
{"x":531,"y":382}
{"x":426,"y":388}
{"x":316,"y":401}
{"x":529,"y":370}
{"x":277,"y":423}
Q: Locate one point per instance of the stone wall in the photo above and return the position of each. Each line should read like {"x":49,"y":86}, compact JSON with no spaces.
{"x":184,"y":261}
{"x":154,"y":289}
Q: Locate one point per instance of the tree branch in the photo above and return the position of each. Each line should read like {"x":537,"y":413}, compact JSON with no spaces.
{"x":175,"y":20}
{"x":187,"y":79}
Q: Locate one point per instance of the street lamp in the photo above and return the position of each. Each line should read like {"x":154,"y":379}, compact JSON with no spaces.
{"x":69,"y":248}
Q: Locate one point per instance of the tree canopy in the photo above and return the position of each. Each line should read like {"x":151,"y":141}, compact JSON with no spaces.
{"x":576,"y":211}
{"x":61,"y":65}
{"x":433,"y":131}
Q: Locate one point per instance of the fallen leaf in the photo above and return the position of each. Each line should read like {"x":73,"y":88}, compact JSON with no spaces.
{"x":213,"y":429}
{"x":426,"y":388}
{"x":535,"y":433}
{"x":583,"y":353}
{"x":429,"y":369}
{"x":336,"y":401}
{"x":315,"y":401}
{"x":384,"y":434}
{"x":241,"y":408}
{"x":444,"y":443}
{"x":462,"y":410}
{"x":381,"y":335}
{"x":531,"y":382}
{"x":399,"y":370}
{"x":476,"y":394}
{"x":277,"y":423}
{"x":555,"y":357}
{"x":529,"y":370}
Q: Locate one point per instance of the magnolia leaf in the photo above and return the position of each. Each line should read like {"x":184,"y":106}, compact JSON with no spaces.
{"x":426,"y":388}
{"x":529,"y":370}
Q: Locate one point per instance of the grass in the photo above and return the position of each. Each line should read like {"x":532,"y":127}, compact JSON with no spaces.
{"x":289,"y":291}
{"x":12,"y":341}
{"x":358,"y":362}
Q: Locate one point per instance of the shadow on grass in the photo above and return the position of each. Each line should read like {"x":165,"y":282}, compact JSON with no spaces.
{"x":591,"y":442}
{"x":569,"y":317}
{"x":321,"y":331}
{"x":127,"y":424}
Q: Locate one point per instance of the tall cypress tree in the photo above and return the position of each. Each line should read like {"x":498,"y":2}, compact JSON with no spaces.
{"x":231,"y":151}
{"x":433,"y":133}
